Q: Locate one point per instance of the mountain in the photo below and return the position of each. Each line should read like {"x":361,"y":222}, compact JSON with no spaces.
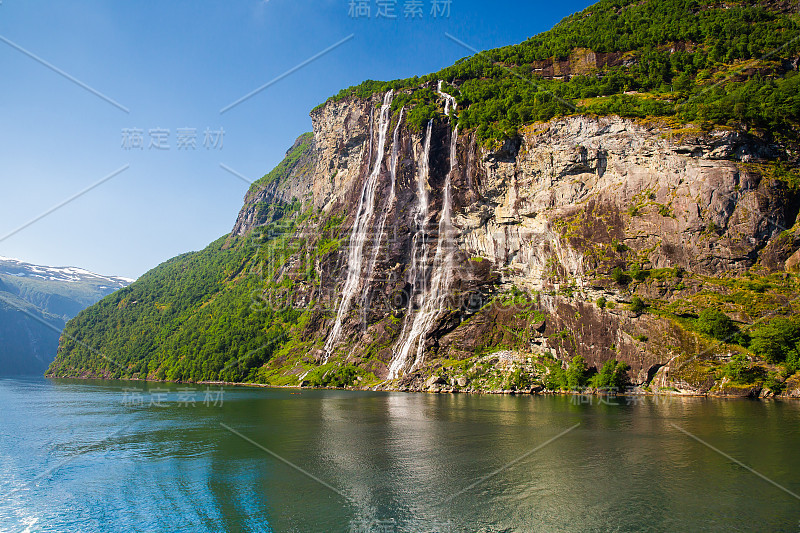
{"x":35,"y":304}
{"x":611,"y":203}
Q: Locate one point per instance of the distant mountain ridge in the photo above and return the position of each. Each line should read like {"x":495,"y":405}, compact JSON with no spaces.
{"x":18,"y":268}
{"x":35,"y":303}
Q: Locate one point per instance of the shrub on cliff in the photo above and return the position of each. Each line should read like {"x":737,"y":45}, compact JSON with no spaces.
{"x":637,"y":305}
{"x":638,"y":273}
{"x":740,"y":370}
{"x":518,"y":380}
{"x":777,"y":340}
{"x":612,"y":375}
{"x":717,"y":324}
{"x":619,"y":276}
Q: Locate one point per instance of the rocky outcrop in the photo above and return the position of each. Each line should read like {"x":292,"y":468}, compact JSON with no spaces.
{"x":581,"y":62}
{"x":291,"y":180}
{"x":580,"y":183}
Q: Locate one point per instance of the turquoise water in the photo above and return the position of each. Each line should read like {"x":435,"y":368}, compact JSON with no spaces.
{"x":88,"y":456}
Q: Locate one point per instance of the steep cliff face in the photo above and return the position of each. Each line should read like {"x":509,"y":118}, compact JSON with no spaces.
{"x":549,"y":215}
{"x":586,"y":181}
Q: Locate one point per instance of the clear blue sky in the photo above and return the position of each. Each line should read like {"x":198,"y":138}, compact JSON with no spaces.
{"x":175,"y":65}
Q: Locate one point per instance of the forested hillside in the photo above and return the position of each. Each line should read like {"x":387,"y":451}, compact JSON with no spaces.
{"x":720,"y":63}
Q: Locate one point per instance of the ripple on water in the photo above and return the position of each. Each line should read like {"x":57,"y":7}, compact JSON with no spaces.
{"x":99,"y":465}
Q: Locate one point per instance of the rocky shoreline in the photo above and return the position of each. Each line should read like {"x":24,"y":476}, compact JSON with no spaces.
{"x":435,"y":386}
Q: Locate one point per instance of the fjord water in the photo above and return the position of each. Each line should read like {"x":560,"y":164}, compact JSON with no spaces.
{"x":79,"y":456}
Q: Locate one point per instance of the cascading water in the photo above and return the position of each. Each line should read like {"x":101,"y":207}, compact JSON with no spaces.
{"x":449,"y":101}
{"x":434,"y":300}
{"x":419,"y":253}
{"x":389,"y":205}
{"x":443,"y":260}
{"x":366,"y":209}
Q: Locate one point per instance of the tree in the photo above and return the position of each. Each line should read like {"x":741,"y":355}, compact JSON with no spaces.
{"x":612,"y":375}
{"x":683,"y":83}
{"x":776,"y":340}
{"x":716,"y":324}
{"x":555,"y":378}
{"x":576,"y":373}
{"x":637,"y":305}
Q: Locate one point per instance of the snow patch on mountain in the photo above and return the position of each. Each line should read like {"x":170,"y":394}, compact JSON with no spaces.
{"x":21,"y":269}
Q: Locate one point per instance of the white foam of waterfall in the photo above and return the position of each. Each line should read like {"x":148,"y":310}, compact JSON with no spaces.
{"x":449,"y":101}
{"x":434,"y":300}
{"x":359,"y":234}
{"x":389,"y":204}
{"x":419,"y":254}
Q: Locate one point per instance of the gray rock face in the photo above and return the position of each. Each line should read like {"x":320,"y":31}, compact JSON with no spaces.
{"x":434,"y":381}
{"x":624,"y":181}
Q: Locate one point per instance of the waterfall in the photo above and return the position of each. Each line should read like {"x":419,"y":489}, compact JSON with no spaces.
{"x":389,"y":204}
{"x":434,"y":300}
{"x":371,"y":136}
{"x":419,"y":254}
{"x":366,"y":209}
{"x":449,"y":101}
{"x":443,"y":260}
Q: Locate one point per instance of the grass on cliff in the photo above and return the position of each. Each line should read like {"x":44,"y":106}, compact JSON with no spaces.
{"x":764,"y":336}
{"x":287,"y":165}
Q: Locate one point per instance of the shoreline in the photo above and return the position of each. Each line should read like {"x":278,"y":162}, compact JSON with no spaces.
{"x":587,"y":392}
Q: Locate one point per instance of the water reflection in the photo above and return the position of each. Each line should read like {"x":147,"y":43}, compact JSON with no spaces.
{"x":397,"y":458}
